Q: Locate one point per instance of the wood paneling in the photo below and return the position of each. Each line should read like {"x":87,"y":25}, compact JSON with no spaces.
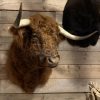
{"x":8,"y":17}
{"x":27,"y":5}
{"x":67,"y":72}
{"x":77,"y":66}
{"x":52,"y":86}
{"x":54,"y":5}
{"x":69,"y":96}
{"x":38,"y":5}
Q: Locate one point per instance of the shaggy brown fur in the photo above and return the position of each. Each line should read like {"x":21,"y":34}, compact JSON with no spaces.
{"x":23,"y":66}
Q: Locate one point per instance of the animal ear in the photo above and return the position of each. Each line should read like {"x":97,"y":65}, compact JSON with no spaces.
{"x":13,"y":30}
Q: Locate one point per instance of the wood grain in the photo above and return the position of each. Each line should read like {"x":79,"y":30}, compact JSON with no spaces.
{"x":52,"y":86}
{"x":37,"y":5}
{"x":54,"y":5}
{"x":65,"y":96}
{"x":6,"y":17}
{"x":5,"y":40}
{"x":67,"y":72}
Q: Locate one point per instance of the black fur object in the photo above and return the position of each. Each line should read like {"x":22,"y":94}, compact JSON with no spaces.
{"x":81,"y":17}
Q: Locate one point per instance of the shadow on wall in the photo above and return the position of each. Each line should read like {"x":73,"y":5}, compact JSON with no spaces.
{"x":81,"y":18}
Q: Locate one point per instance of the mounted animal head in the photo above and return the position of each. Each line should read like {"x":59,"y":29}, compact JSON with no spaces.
{"x":81,"y":18}
{"x":39,"y":36}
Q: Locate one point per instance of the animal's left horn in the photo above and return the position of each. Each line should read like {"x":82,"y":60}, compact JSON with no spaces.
{"x":17,"y":21}
{"x":74,"y":37}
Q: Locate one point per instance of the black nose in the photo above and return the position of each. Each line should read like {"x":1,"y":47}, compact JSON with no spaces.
{"x":49,"y":61}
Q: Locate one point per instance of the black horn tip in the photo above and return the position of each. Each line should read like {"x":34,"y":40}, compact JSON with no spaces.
{"x":17,"y":21}
{"x":21,"y":6}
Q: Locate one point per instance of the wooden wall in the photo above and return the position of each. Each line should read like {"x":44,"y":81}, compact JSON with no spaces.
{"x":77,"y":66}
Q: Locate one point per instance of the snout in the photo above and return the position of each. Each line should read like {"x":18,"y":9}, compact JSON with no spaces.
{"x":51,"y":61}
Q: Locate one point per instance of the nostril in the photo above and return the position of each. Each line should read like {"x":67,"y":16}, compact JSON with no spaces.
{"x":53,"y":60}
{"x":50,"y":60}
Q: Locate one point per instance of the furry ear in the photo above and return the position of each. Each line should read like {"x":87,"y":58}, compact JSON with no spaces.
{"x":13,"y":30}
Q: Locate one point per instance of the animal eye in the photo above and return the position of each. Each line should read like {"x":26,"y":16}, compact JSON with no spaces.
{"x":34,"y":35}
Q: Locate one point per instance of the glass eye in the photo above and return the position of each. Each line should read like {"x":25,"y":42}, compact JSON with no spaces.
{"x":34,"y":34}
{"x":34,"y":37}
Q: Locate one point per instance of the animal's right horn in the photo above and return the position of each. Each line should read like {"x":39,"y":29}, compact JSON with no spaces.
{"x":18,"y":18}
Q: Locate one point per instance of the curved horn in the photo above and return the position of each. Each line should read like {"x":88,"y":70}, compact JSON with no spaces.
{"x":74,"y":37}
{"x":24,"y":22}
{"x":17,"y":21}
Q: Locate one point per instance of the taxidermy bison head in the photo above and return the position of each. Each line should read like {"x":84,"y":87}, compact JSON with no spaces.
{"x":39,"y":37}
{"x":81,"y":18}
